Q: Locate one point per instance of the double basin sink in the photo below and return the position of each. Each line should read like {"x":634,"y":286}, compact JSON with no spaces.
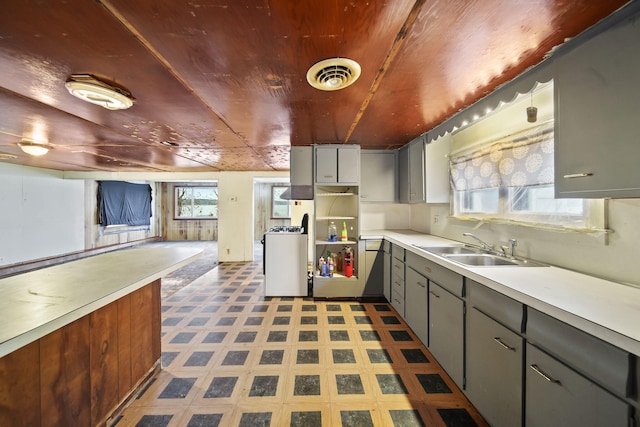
{"x":476,"y":257}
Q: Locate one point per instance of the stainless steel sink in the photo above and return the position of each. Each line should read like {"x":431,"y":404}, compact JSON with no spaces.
{"x":488,"y":260}
{"x":443,"y":250}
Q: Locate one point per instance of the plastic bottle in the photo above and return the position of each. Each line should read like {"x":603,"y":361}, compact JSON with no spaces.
{"x":344,"y":231}
{"x":331,"y":266}
{"x":322,"y":266}
{"x":333,"y":232}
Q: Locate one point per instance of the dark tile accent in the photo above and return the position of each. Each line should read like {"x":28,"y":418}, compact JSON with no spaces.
{"x":264,"y":385}
{"x":235,"y":308}
{"x":406,"y":418}
{"x":285,"y":308}
{"x":226,"y":321}
{"x":246,"y":336}
{"x":221,"y":387}
{"x":433,"y":383}
{"x":363,"y":320}
{"x":339,"y":335}
{"x":183,"y":337}
{"x":401,"y":336}
{"x":307,"y":385}
{"x":334,"y":307}
{"x":357,"y":307}
{"x":165,"y":308}
{"x":308,"y":336}
{"x":336,"y":320}
{"x":228,"y":291}
{"x":391,"y":384}
{"x":205,"y":420}
{"x":390,"y":320}
{"x":168,"y":357}
{"x":308,"y":356}
{"x":198,"y":298}
{"x":199,"y":321}
{"x":309,"y":307}
{"x":343,"y":356}
{"x":248,"y":290}
{"x":243,"y":298}
{"x":457,"y":417}
{"x":177,"y":388}
{"x":199,"y":358}
{"x":255,"y":419}
{"x":176,"y":298}
{"x":309,"y":320}
{"x":254,"y":321}
{"x":186,"y":309}
{"x":378,"y":355}
{"x":272,"y":357}
{"x":277,"y":336}
{"x":356,"y":418}
{"x":306,"y":419}
{"x":287,"y":298}
{"x":349,"y":384}
{"x":154,"y":421}
{"x":235,"y":357}
{"x":221,"y":298}
{"x":260,"y":308}
{"x":414,"y":355}
{"x":281,"y":320}
{"x":381,"y":307}
{"x":171,"y":321}
{"x":369,"y":335}
{"x":214,"y":337}
{"x":211,"y":309}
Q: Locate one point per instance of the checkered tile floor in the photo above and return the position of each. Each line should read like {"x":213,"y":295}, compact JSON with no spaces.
{"x":232,"y":357}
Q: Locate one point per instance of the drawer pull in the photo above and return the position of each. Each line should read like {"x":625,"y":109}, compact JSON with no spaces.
{"x":578,"y":175}
{"x":543,"y":375}
{"x":434,"y":294}
{"x":503,"y":345}
{"x":421,"y":285}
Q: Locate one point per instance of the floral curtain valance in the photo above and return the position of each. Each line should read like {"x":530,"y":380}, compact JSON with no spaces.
{"x":516,"y":161}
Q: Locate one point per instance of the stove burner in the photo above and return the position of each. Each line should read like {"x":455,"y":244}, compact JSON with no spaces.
{"x":285,"y":229}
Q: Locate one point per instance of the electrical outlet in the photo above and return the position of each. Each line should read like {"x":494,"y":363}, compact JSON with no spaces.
{"x":228,"y":251}
{"x":436,"y":218}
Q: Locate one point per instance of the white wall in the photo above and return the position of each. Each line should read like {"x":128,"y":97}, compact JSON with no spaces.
{"x":41,"y":214}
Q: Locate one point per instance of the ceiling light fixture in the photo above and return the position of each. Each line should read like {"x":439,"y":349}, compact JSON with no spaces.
{"x":90,"y":89}
{"x":333,"y":74}
{"x":33,"y":148}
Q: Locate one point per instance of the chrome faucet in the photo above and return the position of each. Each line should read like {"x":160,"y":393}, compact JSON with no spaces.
{"x":511,"y":249}
{"x":484,"y":245}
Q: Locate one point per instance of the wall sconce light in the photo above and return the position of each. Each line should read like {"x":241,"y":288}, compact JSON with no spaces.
{"x":33,"y":148}
{"x":532,"y":112}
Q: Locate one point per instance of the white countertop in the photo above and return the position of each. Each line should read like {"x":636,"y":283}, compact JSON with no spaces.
{"x":39,"y":302}
{"x":605,"y":309}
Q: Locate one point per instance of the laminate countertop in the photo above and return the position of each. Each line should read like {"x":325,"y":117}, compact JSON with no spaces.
{"x":37,"y":303}
{"x":606,"y":309}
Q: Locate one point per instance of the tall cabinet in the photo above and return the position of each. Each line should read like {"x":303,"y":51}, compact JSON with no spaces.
{"x":337,"y":200}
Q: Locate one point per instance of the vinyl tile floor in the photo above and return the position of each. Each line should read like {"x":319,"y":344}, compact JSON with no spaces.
{"x":233,"y":357}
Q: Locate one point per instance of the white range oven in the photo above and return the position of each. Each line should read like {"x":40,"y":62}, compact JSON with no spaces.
{"x":285,"y":261}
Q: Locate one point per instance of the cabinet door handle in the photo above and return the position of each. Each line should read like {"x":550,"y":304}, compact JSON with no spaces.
{"x":434,"y":294}
{"x":503,"y":345}
{"x":543,"y":375}
{"x":421,"y":285}
{"x":578,"y":175}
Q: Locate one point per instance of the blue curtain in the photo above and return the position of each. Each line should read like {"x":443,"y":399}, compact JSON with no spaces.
{"x":124,"y":203}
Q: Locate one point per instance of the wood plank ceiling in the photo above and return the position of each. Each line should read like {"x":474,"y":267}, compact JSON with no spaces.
{"x":223,"y":82}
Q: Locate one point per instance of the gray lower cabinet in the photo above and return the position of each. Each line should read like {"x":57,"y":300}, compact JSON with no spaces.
{"x":386,"y":280}
{"x":416,"y":304}
{"x":374,"y":268}
{"x":446,"y":331}
{"x":397,"y":279}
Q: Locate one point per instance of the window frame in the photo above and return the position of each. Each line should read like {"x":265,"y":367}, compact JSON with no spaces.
{"x":277,"y":190}
{"x":192,"y":188}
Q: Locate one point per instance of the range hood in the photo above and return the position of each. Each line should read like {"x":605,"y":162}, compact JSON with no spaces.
{"x":298,"y":192}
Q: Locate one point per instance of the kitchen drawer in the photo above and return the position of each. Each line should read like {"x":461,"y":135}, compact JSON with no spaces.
{"x":397,"y":268}
{"x":599,"y":360}
{"x":495,"y":305}
{"x":397,"y":283}
{"x":386,"y":246}
{"x":450,"y":280}
{"x":397,"y":252}
{"x":397,"y":301}
{"x":372,"y":245}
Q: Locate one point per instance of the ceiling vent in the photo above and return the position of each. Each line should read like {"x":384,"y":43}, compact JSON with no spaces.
{"x":333,"y":74}
{"x":90,"y":89}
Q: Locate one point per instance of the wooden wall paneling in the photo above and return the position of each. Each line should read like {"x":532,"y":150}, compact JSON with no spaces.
{"x":156,"y":321}
{"x":125,"y":381}
{"x":262,"y":220}
{"x":19,"y":385}
{"x":104,"y":362}
{"x":184,"y":229}
{"x":141,"y":332}
{"x":64,"y":375}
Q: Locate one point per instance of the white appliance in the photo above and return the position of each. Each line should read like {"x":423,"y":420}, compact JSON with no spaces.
{"x":285,"y":261}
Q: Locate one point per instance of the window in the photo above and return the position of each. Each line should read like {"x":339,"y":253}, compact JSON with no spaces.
{"x":196,"y":203}
{"x":280,"y":208}
{"x":124,"y":203}
{"x":511,"y":180}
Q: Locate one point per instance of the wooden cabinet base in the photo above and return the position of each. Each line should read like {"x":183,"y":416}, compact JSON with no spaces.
{"x":83,"y":372}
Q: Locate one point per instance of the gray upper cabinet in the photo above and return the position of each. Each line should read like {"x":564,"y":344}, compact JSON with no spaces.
{"x":423,"y":171}
{"x":338,"y":164}
{"x":411,"y":172}
{"x":403,"y":175}
{"x":596,"y":100}
{"x":378,"y":176}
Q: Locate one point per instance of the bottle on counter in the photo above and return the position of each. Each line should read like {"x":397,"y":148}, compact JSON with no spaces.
{"x":330,"y":267}
{"x":322,"y":267}
{"x":333,"y":232}
{"x":343,"y":236}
